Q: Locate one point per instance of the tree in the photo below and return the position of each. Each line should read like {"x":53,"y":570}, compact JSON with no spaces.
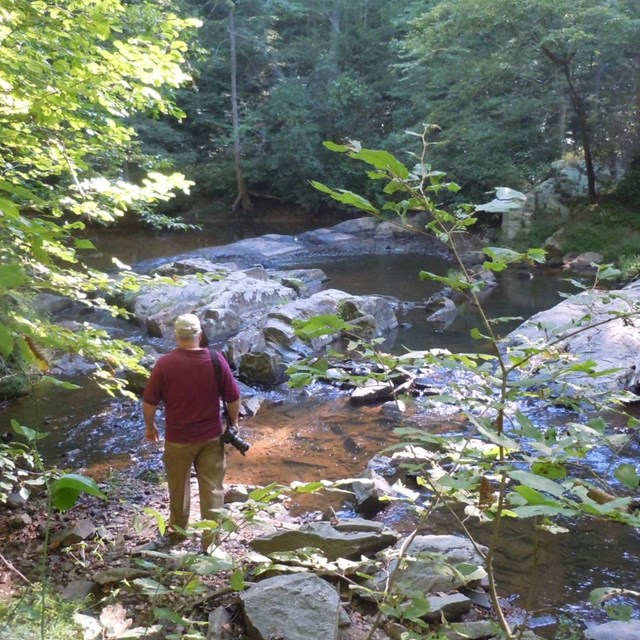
{"x":515,"y":84}
{"x":72,"y":74}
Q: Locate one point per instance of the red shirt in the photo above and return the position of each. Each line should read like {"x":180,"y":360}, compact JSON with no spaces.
{"x":185,"y":381}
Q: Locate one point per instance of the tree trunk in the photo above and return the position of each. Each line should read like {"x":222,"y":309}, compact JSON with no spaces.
{"x":242,"y":202}
{"x":578,"y":104}
{"x":335,"y":18}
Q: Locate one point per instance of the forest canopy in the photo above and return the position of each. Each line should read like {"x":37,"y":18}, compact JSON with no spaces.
{"x":510,"y":85}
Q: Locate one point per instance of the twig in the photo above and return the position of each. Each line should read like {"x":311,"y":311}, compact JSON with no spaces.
{"x":14,"y":569}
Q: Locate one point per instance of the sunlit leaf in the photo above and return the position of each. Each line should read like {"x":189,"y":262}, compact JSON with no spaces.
{"x":627,"y":474}
{"x":66,"y":490}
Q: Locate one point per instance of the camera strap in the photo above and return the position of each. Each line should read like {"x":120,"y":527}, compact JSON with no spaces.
{"x":217,"y":370}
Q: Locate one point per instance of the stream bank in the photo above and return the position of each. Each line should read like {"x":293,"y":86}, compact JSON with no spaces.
{"x":304,"y":439}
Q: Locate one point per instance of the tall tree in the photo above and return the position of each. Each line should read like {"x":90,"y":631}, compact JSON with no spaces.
{"x":73,"y":73}
{"x":500,"y":77}
{"x":243,"y":200}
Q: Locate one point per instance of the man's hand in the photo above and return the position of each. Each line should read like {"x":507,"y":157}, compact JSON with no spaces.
{"x":151,"y":434}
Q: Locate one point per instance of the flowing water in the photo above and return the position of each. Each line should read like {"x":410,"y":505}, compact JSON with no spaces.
{"x":315,"y":433}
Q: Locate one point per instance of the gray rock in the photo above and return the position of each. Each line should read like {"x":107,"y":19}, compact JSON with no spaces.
{"x":359,"y":226}
{"x":78,"y":532}
{"x":18,"y":498}
{"x":473,"y":630}
{"x":613,"y":345}
{"x":118,"y":574}
{"x":614,"y":630}
{"x":262,"y":369}
{"x":450,"y":607}
{"x":430,"y":565}
{"x":219,"y":625}
{"x":326,"y":237}
{"x":372,"y":392}
{"x":371,"y":492}
{"x":78,"y":590}
{"x":332,"y":542}
{"x":393,"y":409}
{"x":91,"y":628}
{"x":19,"y":521}
{"x":292,"y":607}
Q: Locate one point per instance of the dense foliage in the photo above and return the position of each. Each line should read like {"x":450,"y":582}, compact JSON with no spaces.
{"x":511,"y":85}
{"x":72,"y":75}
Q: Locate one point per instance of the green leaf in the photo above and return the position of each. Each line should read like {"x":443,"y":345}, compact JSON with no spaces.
{"x":208,"y":565}
{"x":346,"y":197}
{"x":158,"y":517}
{"x":528,"y":429}
{"x":167,"y":614}
{"x":619,"y":611}
{"x":627,"y":475}
{"x":6,"y":341}
{"x":63,"y":384}
{"x":320,"y":325}
{"x":31,"y":435}
{"x":309,"y":487}
{"x":596,"y":596}
{"x":12,"y":276}
{"x":150,"y":588}
{"x":237,"y":580}
{"x":66,"y":490}
{"x":538,"y":510}
{"x":548,"y":469}
{"x":339,"y":148}
{"x":538,"y":482}
{"x":383,"y":160}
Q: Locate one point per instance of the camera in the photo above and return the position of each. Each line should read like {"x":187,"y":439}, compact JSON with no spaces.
{"x":230,"y":436}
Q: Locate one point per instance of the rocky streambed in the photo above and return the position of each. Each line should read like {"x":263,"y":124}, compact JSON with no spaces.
{"x":248,"y":301}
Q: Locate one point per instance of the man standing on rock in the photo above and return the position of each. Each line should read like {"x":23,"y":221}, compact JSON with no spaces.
{"x":185,"y":380}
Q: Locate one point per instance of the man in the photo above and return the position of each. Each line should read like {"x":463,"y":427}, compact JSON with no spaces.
{"x":185,"y":381}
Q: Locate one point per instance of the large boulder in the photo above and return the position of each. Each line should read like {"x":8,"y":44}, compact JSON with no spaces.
{"x":220,"y":303}
{"x":333,"y":541}
{"x":597,"y":326}
{"x":434,"y":563}
{"x":512,"y":204}
{"x":292,"y":607}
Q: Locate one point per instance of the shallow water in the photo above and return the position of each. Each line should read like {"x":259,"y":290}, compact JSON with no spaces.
{"x":316,"y":433}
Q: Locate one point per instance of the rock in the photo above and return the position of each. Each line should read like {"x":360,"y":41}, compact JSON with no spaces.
{"x":473,"y":630}
{"x":450,"y":607}
{"x":334,"y":543}
{"x":393,"y":409}
{"x":91,"y":628}
{"x":261,"y":369}
{"x":371,"y":492}
{"x":613,"y":345}
{"x":372,"y":392}
{"x":237,"y":493}
{"x":78,"y":532}
{"x":512,"y":205}
{"x":292,"y":607}
{"x":19,"y":521}
{"x":118,"y":574}
{"x":326,"y":237}
{"x":584,"y":261}
{"x":358,"y":226}
{"x":78,"y":590}
{"x":447,"y":312}
{"x":219,"y":625}
{"x":430,"y":564}
{"x":614,"y":630}
{"x":18,"y":499}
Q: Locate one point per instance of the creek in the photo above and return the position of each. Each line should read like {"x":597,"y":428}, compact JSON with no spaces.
{"x":316,"y":433}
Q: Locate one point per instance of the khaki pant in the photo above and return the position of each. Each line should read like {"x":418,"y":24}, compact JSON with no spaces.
{"x":209,"y":462}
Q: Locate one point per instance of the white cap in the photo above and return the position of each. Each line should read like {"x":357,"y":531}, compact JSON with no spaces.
{"x":187,"y":326}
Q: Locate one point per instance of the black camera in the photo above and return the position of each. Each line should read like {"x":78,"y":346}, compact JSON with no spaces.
{"x":230,"y":436}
